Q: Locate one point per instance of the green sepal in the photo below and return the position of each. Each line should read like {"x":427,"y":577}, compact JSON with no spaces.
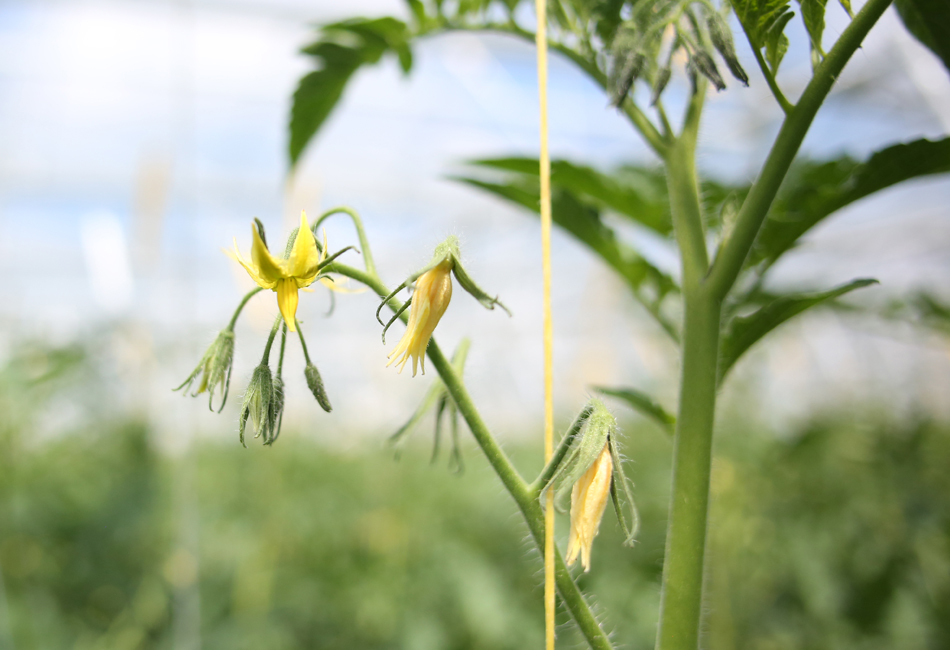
{"x":466,"y":282}
{"x":621,"y":484}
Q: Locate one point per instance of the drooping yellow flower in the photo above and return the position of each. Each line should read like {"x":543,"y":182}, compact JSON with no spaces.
{"x":284,"y":276}
{"x":588,"y":501}
{"x":429,"y":301}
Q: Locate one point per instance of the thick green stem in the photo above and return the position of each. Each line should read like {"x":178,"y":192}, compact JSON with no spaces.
{"x":682,"y":595}
{"x":754,"y":209}
{"x":684,"y":195}
{"x":527,"y":500}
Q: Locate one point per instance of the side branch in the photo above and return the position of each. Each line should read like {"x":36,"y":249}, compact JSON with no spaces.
{"x":729,"y":262}
{"x":527,"y":501}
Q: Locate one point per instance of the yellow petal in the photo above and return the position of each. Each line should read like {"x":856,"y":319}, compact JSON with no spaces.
{"x":304,"y":257}
{"x":268,"y":268}
{"x":249,"y":267}
{"x":287,"y":302}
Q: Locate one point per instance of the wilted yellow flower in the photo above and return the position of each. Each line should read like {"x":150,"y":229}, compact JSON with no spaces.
{"x":429,"y":301}
{"x":588,"y":501}
{"x":285,"y":276}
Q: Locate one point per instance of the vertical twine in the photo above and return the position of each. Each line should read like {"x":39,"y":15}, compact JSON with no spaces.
{"x":541,"y":42}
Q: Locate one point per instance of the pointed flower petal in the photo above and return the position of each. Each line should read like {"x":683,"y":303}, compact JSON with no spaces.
{"x":268,"y":268}
{"x":304,"y":257}
{"x":287,"y":302}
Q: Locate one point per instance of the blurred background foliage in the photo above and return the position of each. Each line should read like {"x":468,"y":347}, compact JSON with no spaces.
{"x":836,"y":535}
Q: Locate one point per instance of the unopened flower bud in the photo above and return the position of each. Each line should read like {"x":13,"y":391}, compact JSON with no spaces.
{"x":214,"y":369}
{"x":707,"y":67}
{"x":721,"y":39}
{"x":257,"y":401}
{"x":315,"y":383}
{"x":627,"y":68}
{"x":659,"y":84}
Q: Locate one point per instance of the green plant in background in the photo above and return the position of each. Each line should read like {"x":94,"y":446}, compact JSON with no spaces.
{"x":722,"y":292}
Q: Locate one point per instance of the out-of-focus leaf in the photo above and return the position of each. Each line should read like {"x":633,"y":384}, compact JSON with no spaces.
{"x":340,"y":51}
{"x":929,"y":22}
{"x":635,"y":192}
{"x":764,"y":23}
{"x":816,"y":190}
{"x":646,"y":405}
{"x":583,"y":220}
{"x":744,"y":331}
{"x":922,"y":308}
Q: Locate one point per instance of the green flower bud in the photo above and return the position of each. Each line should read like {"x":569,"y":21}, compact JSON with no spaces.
{"x":257,"y":402}
{"x":214,"y":369}
{"x":315,"y":384}
{"x":659,"y":84}
{"x":722,"y":40}
{"x":627,"y":68}
{"x":705,"y":65}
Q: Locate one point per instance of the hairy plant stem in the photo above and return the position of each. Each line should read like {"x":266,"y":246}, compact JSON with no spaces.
{"x":681,"y":597}
{"x":703,"y":292}
{"x":520,"y":491}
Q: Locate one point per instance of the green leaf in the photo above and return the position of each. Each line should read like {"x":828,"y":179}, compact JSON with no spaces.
{"x":814,"y":191}
{"x":929,"y":22}
{"x":643,"y":403}
{"x":776,"y":42}
{"x":745,"y":331}
{"x":340,"y":51}
{"x":764,"y":23}
{"x":813,"y":14}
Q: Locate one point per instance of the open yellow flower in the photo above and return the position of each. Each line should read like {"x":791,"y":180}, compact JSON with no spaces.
{"x":429,"y":301}
{"x":284,"y":276}
{"x":588,"y":501}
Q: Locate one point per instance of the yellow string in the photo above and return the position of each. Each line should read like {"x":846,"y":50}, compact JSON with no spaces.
{"x":541,"y":41}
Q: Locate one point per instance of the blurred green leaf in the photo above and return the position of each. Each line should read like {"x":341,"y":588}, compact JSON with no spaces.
{"x":815,"y":190}
{"x":643,"y":403}
{"x":342,"y":49}
{"x":574,"y":209}
{"x":744,"y":331}
{"x":638,"y":193}
{"x":929,"y":22}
